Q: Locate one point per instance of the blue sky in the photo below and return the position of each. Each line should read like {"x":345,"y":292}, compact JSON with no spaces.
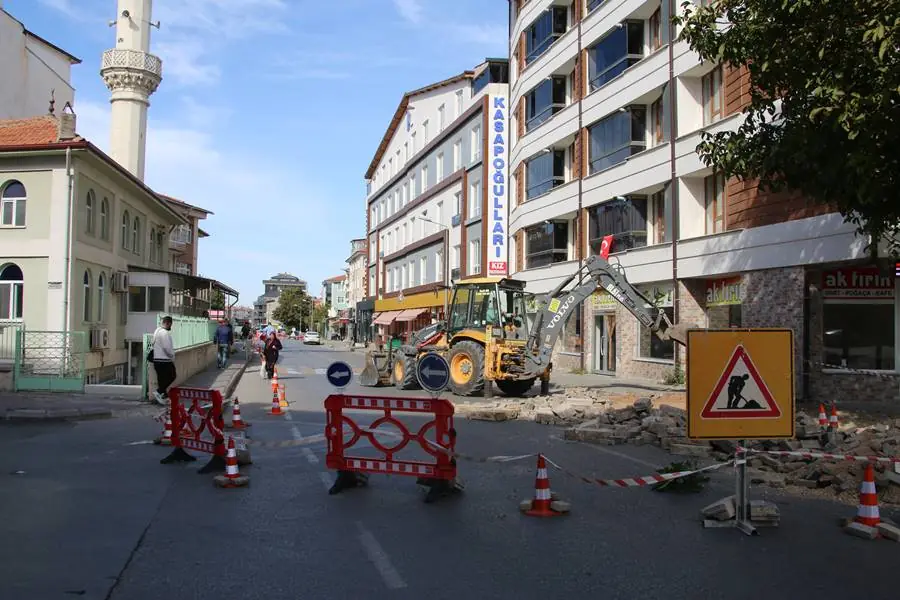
{"x":270,"y":110}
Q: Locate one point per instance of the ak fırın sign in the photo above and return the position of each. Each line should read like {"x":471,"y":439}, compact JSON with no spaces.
{"x":722,"y":292}
{"x":498,"y":257}
{"x":864,"y":283}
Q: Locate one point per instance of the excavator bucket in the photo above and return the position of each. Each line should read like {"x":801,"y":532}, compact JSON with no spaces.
{"x":369,"y":376}
{"x":678,"y":333}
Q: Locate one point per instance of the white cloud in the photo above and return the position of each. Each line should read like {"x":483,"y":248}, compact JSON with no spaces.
{"x":411,"y":10}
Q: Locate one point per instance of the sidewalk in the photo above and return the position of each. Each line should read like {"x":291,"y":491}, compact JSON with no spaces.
{"x":45,"y":406}
{"x":609,"y":383}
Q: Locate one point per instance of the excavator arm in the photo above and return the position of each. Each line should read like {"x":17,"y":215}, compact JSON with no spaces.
{"x":596,"y":273}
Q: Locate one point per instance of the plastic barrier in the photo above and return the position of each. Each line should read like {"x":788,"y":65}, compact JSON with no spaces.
{"x":205,"y":436}
{"x":439,"y":474}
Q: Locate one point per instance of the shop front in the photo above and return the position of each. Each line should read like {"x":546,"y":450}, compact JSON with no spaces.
{"x":398,"y":317}
{"x":723,"y":302}
{"x":641,"y":353}
{"x":601,"y":342}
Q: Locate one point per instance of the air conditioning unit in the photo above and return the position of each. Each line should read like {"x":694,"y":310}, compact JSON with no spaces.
{"x":99,"y":339}
{"x":120,"y":282}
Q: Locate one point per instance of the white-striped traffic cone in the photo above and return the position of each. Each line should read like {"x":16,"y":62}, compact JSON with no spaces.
{"x":823,"y":420}
{"x":232,"y":477}
{"x":540,"y":506}
{"x":867,"y":511}
{"x":236,"y":421}
{"x":166,"y":439}
{"x":833,"y":421}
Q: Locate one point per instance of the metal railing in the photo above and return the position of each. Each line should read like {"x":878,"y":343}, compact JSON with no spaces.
{"x":189,"y":331}
{"x":9,"y":331}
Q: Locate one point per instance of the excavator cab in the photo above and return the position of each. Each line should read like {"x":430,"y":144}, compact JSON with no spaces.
{"x":499,"y":303}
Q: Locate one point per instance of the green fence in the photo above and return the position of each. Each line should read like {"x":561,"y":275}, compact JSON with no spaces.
{"x":50,"y":361}
{"x":190,"y":331}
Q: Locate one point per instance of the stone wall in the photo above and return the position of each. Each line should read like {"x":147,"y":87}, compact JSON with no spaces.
{"x":774,"y":298}
{"x":188,"y":362}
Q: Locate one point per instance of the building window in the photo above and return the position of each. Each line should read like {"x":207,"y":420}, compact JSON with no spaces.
{"x":89,"y":204}
{"x":101,"y":297}
{"x":412,"y":140}
{"x":475,"y":257}
{"x":546,"y":244}
{"x":592,"y":4}
{"x":424,"y":178}
{"x":617,"y":137}
{"x":495,"y":72}
{"x":439,"y":217}
{"x":423,"y":271}
{"x":406,"y":151}
{"x":625,"y":220}
{"x":86,"y":297}
{"x":713,"y":96}
{"x":858,"y":320}
{"x":457,"y":206}
{"x":441,"y":117}
{"x":136,"y":236}
{"x":545,"y":100}
{"x":714,"y":198}
{"x":656,"y":26}
{"x":152,"y":244}
{"x":425,"y":138}
{"x":14,"y":202}
{"x":104,"y":219}
{"x":657,"y":129}
{"x":440,"y":167}
{"x":456,"y":254}
{"x":614,"y":54}
{"x":459,"y":102}
{"x":476,"y":143}
{"x":658,"y":202}
{"x":126,"y":227}
{"x":545,"y":30}
{"x":146,"y":298}
{"x":160,"y":246}
{"x":544,"y":172}
{"x":474,"y":199}
{"x":12,"y":292}
{"x":649,"y":344}
{"x":439,"y":266}
{"x":457,"y":154}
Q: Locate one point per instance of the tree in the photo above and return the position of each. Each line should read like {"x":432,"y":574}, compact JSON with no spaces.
{"x":293,"y":307}
{"x":218,"y":300}
{"x":824,"y":115}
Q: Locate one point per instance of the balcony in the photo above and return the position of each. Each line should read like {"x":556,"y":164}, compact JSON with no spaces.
{"x":561,"y":200}
{"x":640,"y":171}
{"x":117,"y":58}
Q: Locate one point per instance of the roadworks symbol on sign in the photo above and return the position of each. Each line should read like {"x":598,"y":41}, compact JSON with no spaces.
{"x":740,"y":392}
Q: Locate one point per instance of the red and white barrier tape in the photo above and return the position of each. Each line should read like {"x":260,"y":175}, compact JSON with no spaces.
{"x":827,"y":455}
{"x":639,"y":481}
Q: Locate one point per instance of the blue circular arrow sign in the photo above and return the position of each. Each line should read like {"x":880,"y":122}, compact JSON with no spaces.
{"x":339,"y":374}
{"x":433,"y":372}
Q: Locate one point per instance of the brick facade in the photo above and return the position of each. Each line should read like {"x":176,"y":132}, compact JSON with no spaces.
{"x":737,"y":88}
{"x":747,"y":206}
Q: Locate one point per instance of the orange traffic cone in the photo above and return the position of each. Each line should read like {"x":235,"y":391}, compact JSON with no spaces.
{"x":282,"y":396}
{"x":833,"y":421}
{"x":275,"y":379}
{"x":867,"y":512}
{"x":166,"y":439}
{"x":236,"y":421}
{"x":540,"y":506}
{"x":232,"y":477}
{"x":276,"y":403}
{"x":823,"y":420}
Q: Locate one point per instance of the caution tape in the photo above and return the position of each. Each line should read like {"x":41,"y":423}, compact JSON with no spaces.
{"x":826,"y":455}
{"x":851,"y":370}
{"x":639,"y":481}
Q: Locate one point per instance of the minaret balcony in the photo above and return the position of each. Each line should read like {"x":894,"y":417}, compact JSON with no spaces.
{"x":121,"y":58}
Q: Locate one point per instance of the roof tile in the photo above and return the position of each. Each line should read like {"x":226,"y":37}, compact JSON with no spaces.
{"x":34,"y":131}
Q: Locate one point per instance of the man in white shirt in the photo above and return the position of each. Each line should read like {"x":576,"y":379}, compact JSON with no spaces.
{"x":163,"y":361}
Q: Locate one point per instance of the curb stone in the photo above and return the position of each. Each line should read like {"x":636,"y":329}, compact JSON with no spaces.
{"x":57,"y":414}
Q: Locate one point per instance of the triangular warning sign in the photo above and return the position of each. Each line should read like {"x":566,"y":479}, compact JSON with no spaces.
{"x":740,"y":392}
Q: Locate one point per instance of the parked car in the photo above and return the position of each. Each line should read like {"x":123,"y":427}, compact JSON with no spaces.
{"x":311,"y":337}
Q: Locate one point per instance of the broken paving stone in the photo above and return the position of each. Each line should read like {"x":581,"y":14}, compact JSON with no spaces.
{"x":564,"y":411}
{"x":620,"y":415}
{"x":810,"y":444}
{"x":493,"y":414}
{"x":862,"y":531}
{"x":773,"y":480}
{"x":560,"y":506}
{"x":721,"y":510}
{"x":889,"y":531}
{"x":807,"y":483}
{"x":545,"y":416}
{"x":643,"y":404}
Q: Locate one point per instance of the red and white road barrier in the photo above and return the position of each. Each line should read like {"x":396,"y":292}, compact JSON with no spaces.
{"x":826,"y":455}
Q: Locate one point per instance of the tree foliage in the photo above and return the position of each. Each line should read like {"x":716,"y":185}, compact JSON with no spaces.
{"x":824,"y":117}
{"x":217,"y":302}
{"x":296,"y":309}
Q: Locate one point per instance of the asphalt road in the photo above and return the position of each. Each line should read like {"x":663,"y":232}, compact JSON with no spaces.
{"x":87,"y":511}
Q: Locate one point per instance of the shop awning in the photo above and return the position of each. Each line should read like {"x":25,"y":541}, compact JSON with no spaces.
{"x":411,"y":314}
{"x":374,"y":316}
{"x":386,"y":318}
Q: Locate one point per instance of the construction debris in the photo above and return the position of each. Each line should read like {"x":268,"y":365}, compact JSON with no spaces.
{"x":860,"y":530}
{"x":598,"y":417}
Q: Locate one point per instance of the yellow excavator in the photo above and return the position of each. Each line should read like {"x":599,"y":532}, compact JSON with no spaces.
{"x":486,"y":336}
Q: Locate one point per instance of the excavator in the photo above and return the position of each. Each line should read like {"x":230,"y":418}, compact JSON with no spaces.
{"x":486,"y":338}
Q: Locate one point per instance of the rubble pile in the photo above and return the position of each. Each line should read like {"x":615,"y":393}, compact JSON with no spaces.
{"x":597,"y":417}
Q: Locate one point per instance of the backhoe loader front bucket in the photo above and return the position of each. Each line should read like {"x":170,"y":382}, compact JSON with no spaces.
{"x":370,"y":377}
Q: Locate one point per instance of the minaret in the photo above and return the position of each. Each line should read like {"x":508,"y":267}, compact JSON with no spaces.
{"x":132,"y":74}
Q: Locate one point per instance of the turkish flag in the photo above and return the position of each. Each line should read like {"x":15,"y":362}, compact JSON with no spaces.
{"x":605,"y":246}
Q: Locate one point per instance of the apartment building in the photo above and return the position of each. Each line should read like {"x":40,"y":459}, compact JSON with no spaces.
{"x":184,"y":241}
{"x":436,"y":205}
{"x":607,"y":112}
{"x":360,"y":310}
{"x":268,"y":301}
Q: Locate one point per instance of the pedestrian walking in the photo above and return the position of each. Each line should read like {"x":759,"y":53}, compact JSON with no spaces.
{"x":223,"y":343}
{"x":163,"y":358}
{"x":270,"y":352}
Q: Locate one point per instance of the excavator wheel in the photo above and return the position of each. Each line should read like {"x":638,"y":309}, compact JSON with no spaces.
{"x":466,"y":368}
{"x":403,"y":373}
{"x":515,"y":387}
